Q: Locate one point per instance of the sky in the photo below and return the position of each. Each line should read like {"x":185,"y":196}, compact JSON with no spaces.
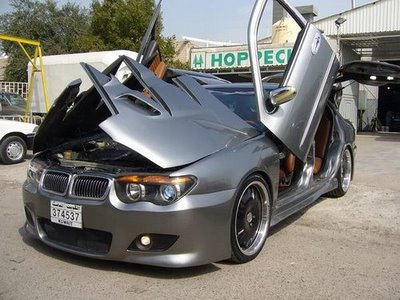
{"x":217,"y":20}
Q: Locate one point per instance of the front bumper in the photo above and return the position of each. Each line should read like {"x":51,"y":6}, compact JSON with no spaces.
{"x":201,"y":224}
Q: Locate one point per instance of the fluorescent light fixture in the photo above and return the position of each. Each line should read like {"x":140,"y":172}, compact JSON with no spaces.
{"x":339,"y":21}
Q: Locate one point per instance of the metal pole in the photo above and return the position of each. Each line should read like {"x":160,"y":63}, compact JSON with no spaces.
{"x":339,"y":50}
{"x":353,"y":4}
{"x":30,"y":88}
{"x":43,"y":77}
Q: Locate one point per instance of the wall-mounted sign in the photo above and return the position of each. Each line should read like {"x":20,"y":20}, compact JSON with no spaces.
{"x":224,"y":58}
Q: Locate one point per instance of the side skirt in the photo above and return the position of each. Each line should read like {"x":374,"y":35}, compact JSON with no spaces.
{"x":302,"y":200}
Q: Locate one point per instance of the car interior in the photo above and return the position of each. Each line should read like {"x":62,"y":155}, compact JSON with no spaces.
{"x":321,"y":142}
{"x":289,"y":163}
{"x":155,"y":62}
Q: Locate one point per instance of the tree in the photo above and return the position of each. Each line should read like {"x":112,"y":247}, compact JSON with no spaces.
{"x":109,"y":25}
{"x":57,"y":28}
{"x":121,"y":24}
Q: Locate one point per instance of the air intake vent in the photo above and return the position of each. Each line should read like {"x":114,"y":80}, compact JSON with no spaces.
{"x":56,"y":182}
{"x":89,"y":187}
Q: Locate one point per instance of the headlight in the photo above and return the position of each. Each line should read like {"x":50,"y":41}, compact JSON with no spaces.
{"x":160,"y":190}
{"x":135,"y":191}
{"x":169,"y":192}
{"x":35,"y":171}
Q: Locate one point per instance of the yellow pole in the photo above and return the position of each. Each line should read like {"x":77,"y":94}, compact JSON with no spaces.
{"x":38,"y":54}
{"x":26,"y":52}
{"x":30,"y":87}
{"x":44,"y":85}
{"x":11,"y":38}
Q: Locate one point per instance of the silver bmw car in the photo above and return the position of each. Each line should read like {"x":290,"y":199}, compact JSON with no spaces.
{"x":175,"y":169}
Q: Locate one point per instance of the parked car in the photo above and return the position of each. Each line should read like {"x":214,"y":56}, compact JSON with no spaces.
{"x":162,"y":170}
{"x":15,"y":139}
{"x":12,"y":104}
{"x":395,"y":122}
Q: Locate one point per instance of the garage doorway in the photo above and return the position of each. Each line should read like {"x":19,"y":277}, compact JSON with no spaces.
{"x":389,"y":105}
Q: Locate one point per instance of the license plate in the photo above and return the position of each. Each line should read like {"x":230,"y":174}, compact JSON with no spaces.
{"x":66,"y":214}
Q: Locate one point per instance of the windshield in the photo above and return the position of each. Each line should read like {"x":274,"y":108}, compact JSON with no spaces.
{"x":241,"y":101}
{"x":16,"y":100}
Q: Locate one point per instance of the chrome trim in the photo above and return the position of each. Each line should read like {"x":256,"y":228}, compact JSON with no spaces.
{"x":282,"y":95}
{"x":263,"y":226}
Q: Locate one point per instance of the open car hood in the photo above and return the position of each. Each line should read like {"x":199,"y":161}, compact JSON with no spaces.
{"x":369,"y":72}
{"x":169,"y":124}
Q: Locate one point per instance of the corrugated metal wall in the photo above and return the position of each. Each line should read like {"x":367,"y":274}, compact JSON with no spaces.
{"x":379,"y":16}
{"x":368,"y":105}
{"x":348,"y":107}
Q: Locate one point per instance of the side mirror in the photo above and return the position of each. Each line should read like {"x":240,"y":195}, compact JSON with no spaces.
{"x":282,"y":95}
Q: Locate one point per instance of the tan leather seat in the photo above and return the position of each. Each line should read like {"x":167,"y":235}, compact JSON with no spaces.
{"x":158,"y":67}
{"x":289,"y":163}
{"x":287,"y":168}
{"x":321,"y":143}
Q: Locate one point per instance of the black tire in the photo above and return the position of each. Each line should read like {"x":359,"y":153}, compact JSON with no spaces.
{"x":251,"y":218}
{"x":343,"y":175}
{"x":12,"y":150}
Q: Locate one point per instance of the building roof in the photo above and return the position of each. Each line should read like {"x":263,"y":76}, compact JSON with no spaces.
{"x":371,"y":30}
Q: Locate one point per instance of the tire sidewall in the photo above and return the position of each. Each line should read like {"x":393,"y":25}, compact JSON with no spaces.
{"x":237,"y":255}
{"x":340,"y":177}
{"x":339,"y":192}
{"x":3,"y":149}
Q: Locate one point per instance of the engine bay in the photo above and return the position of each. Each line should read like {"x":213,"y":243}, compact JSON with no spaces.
{"x":98,"y":153}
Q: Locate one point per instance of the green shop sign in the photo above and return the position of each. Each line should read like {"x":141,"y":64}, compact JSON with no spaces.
{"x":203,"y":60}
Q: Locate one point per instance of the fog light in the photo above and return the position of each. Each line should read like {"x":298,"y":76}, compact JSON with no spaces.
{"x":152,"y":242}
{"x":145,"y":240}
{"x":169,"y":192}
{"x":135,"y":191}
